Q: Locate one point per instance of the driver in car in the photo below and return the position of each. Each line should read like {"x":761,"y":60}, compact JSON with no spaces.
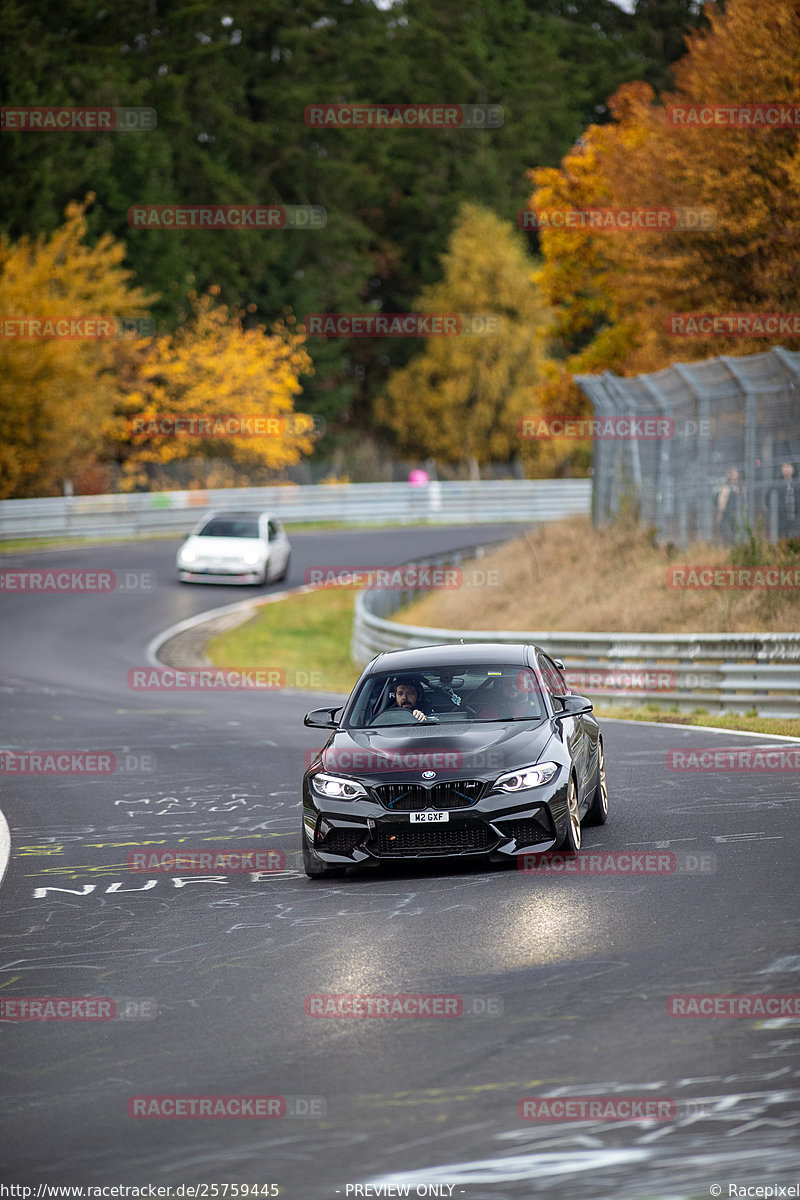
{"x":408,"y":695}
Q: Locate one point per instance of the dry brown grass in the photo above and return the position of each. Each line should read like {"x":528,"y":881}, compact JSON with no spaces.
{"x":567,"y":576}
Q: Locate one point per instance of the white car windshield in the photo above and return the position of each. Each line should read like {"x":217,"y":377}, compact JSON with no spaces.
{"x":236,"y":527}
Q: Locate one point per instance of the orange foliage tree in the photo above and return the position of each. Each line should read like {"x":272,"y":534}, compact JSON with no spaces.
{"x":613,"y":292}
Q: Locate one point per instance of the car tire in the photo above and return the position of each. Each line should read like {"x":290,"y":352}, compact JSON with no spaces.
{"x":571,"y":841}
{"x":598,"y":810}
{"x":313,"y":868}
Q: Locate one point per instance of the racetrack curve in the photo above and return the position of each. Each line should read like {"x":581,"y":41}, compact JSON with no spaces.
{"x":573,"y":970}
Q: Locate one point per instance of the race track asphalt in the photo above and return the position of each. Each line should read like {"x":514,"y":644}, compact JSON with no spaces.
{"x":570,"y":973}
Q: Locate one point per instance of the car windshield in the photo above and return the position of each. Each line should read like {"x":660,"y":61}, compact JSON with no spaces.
{"x":445,"y":696}
{"x":237,"y":527}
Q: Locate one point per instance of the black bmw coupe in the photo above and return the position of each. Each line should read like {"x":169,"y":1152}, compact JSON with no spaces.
{"x":450,"y":751}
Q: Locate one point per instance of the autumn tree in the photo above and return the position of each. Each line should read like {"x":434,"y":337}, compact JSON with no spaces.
{"x":230,"y":85}
{"x":211,"y":367}
{"x":613,"y":292}
{"x":461,"y":398}
{"x":57,"y":381}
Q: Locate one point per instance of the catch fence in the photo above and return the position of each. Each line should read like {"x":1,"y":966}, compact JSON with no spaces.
{"x":726,"y":460}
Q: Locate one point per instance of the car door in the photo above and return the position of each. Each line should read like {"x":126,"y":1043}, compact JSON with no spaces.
{"x":575,"y":732}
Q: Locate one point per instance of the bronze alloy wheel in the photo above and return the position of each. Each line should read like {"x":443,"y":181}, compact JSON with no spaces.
{"x":572,"y":838}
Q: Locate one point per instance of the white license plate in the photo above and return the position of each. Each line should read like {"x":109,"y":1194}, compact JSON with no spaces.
{"x":419,"y":818}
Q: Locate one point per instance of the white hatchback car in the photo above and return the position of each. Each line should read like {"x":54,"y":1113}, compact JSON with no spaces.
{"x":235,"y":547}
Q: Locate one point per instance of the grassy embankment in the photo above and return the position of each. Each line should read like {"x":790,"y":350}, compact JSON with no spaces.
{"x":563,"y":576}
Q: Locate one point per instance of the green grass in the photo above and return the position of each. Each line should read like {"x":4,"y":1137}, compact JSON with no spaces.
{"x":309,"y":632}
{"x":312,"y":631}
{"x":746,"y":722}
{"x":62,"y":543}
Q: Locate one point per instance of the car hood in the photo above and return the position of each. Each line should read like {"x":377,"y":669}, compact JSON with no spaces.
{"x":476,"y":751}
{"x":222,"y":547}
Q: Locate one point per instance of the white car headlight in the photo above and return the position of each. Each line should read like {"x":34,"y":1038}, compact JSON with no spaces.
{"x":187,"y":555}
{"x":251,"y":557}
{"x":527,"y":777}
{"x":336,"y":788}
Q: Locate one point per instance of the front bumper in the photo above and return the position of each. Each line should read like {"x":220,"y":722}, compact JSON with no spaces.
{"x":217,"y":574}
{"x":500,"y":825}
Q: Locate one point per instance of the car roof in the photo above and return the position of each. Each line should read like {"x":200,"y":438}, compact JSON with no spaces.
{"x":238,"y":512}
{"x":451,"y":655}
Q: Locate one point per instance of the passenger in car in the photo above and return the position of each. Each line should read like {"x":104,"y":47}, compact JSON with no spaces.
{"x":507,"y":699}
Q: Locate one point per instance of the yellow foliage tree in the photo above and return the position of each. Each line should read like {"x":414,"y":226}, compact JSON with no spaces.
{"x":460,"y":400}
{"x":56,"y":390}
{"x":211,"y":367}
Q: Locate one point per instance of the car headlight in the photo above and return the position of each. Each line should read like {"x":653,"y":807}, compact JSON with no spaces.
{"x":251,"y":557}
{"x":527,"y":777}
{"x":336,"y":788}
{"x":188,"y":555}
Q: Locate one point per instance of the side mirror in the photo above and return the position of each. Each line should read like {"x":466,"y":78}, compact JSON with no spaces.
{"x":559,"y":663}
{"x":571,"y":706}
{"x":322,"y":718}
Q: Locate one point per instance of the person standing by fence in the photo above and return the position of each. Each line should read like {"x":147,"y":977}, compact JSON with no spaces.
{"x":729,"y":518}
{"x":785,"y":495}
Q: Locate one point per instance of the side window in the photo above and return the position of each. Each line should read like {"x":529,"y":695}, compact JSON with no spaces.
{"x":552,"y":678}
{"x":273,"y":533}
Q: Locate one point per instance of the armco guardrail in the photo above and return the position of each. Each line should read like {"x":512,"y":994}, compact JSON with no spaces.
{"x":718,"y":672}
{"x":456,"y":503}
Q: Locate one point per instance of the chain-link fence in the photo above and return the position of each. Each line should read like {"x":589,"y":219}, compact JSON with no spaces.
{"x":712,"y":450}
